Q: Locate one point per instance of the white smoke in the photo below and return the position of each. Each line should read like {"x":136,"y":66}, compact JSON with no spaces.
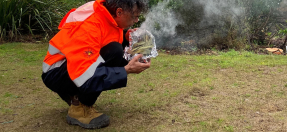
{"x":160,"y":20}
{"x":201,"y":20}
{"x":220,"y":8}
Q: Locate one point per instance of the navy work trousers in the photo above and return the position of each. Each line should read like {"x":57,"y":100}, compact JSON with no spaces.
{"x":58,"y":79}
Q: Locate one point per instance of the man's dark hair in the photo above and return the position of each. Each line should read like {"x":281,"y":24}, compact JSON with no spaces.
{"x":126,"y":5}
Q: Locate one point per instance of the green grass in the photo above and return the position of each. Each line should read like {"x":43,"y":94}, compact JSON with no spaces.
{"x":231,"y":91}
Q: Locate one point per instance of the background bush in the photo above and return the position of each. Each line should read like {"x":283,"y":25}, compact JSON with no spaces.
{"x":22,"y":17}
{"x":237,"y":24}
{"x":240,"y":24}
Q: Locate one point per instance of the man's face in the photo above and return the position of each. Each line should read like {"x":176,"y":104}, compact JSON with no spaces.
{"x":127,"y":19}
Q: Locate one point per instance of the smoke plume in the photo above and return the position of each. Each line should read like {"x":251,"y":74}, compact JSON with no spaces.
{"x":194,"y":20}
{"x":161,"y":20}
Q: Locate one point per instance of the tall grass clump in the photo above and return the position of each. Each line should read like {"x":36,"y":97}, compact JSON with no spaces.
{"x":31,"y":17}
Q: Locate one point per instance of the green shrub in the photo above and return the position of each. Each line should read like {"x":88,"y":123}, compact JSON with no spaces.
{"x":222,"y":24}
{"x":32,"y":16}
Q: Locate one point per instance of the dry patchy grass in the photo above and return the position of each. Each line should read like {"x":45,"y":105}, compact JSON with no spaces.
{"x":229,"y":92}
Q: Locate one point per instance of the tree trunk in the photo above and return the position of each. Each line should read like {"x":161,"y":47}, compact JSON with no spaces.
{"x":284,"y":45}
{"x":250,"y":39}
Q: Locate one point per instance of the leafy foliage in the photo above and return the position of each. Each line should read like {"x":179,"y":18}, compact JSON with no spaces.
{"x":31,"y":16}
{"x":223,"y":24}
{"x":261,"y":17}
{"x":226,"y":25}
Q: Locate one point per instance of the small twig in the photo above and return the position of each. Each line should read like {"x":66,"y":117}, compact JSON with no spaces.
{"x":8,"y":122}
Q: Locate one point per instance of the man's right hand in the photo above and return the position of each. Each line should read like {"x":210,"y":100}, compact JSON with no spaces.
{"x":134,"y":66}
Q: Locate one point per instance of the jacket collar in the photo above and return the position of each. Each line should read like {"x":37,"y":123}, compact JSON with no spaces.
{"x":99,"y":4}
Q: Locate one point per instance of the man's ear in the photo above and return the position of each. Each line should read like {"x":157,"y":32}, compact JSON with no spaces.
{"x":119,"y":12}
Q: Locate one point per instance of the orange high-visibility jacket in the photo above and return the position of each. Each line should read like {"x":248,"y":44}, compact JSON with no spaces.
{"x":83,"y":32}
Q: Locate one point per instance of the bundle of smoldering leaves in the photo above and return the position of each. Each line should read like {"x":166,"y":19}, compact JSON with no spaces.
{"x":141,"y":42}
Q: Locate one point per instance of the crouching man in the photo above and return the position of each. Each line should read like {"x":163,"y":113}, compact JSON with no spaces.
{"x":86,"y":57}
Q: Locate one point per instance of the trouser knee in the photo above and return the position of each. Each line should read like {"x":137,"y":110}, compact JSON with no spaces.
{"x":113,"y":53}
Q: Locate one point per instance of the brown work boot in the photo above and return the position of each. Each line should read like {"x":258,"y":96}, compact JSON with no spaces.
{"x":86,"y":116}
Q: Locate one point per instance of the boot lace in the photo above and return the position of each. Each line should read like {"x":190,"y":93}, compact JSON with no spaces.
{"x":90,"y":110}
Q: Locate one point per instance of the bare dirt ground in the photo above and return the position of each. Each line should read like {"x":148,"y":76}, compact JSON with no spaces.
{"x":258,"y":103}
{"x":185,"y":94}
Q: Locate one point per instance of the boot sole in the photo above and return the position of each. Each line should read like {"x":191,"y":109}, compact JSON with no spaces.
{"x":101,"y":121}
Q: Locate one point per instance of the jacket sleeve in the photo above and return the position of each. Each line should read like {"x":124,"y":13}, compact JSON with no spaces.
{"x":105,"y":78}
{"x":83,"y":61}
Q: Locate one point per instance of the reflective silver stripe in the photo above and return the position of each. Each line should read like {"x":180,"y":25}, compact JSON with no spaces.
{"x":52,"y":50}
{"x":47,"y":67}
{"x":88,"y":73}
{"x":81,"y":13}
